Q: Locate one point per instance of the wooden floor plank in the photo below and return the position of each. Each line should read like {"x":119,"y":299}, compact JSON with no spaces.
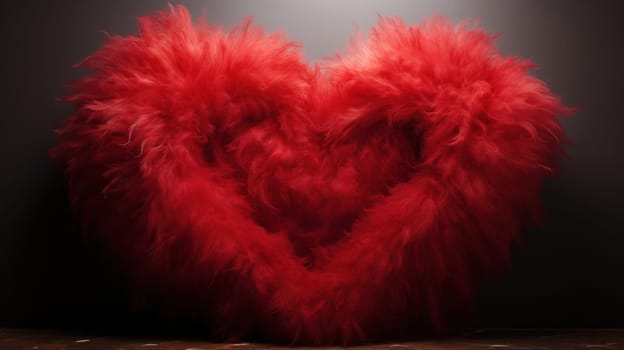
{"x":491,"y":339}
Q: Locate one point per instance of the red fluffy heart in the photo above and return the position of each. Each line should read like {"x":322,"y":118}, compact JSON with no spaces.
{"x":345,"y":202}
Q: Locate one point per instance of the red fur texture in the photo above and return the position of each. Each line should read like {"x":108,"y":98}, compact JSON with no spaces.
{"x":356,"y":199}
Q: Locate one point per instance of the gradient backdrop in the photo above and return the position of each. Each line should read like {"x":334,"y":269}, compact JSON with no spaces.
{"x":570,"y":274}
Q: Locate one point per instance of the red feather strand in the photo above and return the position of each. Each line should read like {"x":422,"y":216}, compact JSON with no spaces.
{"x":341,"y":203}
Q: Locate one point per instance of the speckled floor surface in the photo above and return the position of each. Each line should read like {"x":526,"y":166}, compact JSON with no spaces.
{"x":492,"y":339}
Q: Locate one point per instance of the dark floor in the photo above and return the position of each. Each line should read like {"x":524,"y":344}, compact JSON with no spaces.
{"x":506,"y":339}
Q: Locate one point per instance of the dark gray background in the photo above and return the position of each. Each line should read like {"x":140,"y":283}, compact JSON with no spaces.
{"x":569,"y":274}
